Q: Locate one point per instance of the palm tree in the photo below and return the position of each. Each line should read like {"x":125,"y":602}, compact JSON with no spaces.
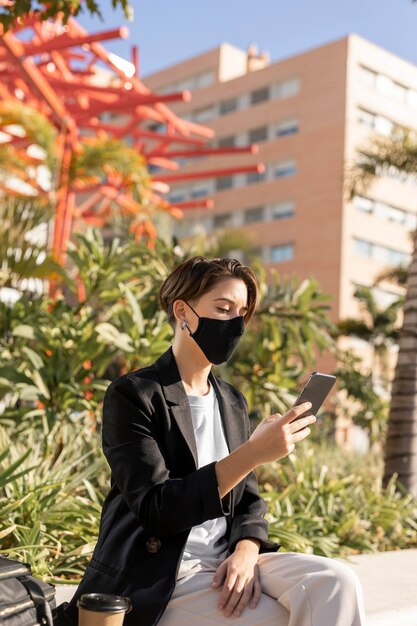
{"x":378,"y":327}
{"x":398,"y":154}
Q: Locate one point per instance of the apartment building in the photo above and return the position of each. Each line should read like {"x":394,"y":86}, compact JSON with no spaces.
{"x":308,"y":114}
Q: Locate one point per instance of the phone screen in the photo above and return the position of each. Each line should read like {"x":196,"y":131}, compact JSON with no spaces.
{"x":316,"y":390}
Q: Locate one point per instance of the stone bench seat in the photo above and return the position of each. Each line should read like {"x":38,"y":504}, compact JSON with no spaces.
{"x":389,"y":581}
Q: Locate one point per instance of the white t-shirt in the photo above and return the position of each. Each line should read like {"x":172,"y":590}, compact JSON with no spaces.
{"x":206,"y":541}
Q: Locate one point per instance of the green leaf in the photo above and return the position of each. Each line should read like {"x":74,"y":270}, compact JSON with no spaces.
{"x":110,"y":335}
{"x":24,"y":331}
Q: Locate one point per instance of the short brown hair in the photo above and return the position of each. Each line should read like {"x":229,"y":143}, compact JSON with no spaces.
{"x":198,"y":275}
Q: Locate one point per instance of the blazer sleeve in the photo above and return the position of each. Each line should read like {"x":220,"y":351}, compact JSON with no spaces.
{"x":162,"y":505}
{"x":248,"y":518}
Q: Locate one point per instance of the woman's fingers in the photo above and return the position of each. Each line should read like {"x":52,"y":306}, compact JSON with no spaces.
{"x":256,"y":594}
{"x":219,"y":576}
{"x":300,"y":435}
{"x":295,"y":412}
{"x":242,"y":600}
{"x":301,"y":423}
{"x":227,"y":591}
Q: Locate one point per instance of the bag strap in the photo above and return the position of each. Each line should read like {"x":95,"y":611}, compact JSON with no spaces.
{"x":43,"y":610}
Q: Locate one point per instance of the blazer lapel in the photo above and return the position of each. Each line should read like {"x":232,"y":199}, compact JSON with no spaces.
{"x":230,"y":412}
{"x":174,"y":392}
{"x":176,"y":398}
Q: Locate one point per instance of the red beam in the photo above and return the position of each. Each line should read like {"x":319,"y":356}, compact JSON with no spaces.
{"x":124,"y":104}
{"x":67,"y":41}
{"x":135,"y":59}
{"x":37,"y":80}
{"x":174,"y":154}
{"x":227,"y":171}
{"x":168,"y":138}
{"x":164,"y":163}
{"x":122,"y":92}
{"x":195,"y":204}
{"x":162,"y":112}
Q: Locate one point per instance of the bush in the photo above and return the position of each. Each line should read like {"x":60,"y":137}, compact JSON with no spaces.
{"x":324,"y":501}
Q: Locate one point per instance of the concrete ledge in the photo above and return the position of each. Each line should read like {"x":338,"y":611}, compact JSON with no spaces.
{"x":389,"y":581}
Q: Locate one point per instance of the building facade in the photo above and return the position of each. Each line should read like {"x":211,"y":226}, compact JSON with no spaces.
{"x":309,"y":114}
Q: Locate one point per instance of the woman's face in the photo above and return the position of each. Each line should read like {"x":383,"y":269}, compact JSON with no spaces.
{"x":226,"y":300}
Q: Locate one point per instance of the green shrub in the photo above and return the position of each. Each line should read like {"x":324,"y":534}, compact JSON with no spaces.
{"x":50,"y":506}
{"x":324,"y":501}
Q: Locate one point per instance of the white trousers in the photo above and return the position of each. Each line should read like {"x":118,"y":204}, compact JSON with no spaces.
{"x":297,"y":590}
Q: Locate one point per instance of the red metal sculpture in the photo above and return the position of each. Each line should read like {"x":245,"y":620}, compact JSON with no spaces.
{"x":55,"y":68}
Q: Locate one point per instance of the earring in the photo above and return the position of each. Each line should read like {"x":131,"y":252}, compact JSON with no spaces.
{"x":183,"y":325}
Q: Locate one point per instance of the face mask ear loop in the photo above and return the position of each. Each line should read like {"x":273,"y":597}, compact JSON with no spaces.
{"x":192,"y":309}
{"x":187,"y":326}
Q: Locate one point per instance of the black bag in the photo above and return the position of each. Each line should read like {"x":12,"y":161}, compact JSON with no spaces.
{"x":24,"y":600}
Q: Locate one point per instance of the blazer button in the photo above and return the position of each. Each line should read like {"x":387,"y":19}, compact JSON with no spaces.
{"x":153,"y":544}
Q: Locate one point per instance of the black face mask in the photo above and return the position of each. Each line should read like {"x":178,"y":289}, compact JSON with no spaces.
{"x":218,"y":339}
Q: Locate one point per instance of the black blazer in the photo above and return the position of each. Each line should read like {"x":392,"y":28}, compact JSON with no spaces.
{"x":157,"y":495}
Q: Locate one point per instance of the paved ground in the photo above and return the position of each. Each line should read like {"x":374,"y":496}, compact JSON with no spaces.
{"x":389,"y":581}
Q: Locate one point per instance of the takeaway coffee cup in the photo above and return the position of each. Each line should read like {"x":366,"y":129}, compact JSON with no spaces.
{"x":102,"y":609}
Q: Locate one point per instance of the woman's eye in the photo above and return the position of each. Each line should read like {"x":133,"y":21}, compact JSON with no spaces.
{"x":223,"y":310}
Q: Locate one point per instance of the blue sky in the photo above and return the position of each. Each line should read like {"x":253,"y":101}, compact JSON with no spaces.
{"x":168,"y":31}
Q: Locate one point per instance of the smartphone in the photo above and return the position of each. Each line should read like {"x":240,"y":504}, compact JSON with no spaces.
{"x":316,"y":390}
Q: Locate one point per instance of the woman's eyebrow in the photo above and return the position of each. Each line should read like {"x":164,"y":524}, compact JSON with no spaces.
{"x":228,"y":300}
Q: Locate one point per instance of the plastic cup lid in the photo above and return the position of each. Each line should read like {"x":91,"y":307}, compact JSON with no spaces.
{"x":103,"y":602}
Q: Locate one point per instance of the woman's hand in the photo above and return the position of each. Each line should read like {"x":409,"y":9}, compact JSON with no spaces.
{"x":239,"y":577}
{"x":276,"y":436}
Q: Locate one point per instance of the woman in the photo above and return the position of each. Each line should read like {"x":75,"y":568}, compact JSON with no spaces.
{"x":182,"y":530}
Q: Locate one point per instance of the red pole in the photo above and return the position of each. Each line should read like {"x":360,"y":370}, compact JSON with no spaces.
{"x":135,"y":59}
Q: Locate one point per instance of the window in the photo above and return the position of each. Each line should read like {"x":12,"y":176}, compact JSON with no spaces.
{"x":383,"y":297}
{"x":390,"y":213}
{"x":255,"y":177}
{"x":396,"y":257}
{"x":282,"y":210}
{"x":363,"y":248}
{"x":199,"y":192}
{"x":367,"y":76}
{"x":412,"y":99}
{"x":260,"y":95}
{"x":224,"y":182}
{"x":282,"y":253}
{"x":383,"y":125}
{"x":177,"y":196}
{"x":381,"y":254}
{"x":287,"y":88}
{"x":287,"y":127}
{"x":411,"y":221}
{"x":227,"y":142}
{"x":385,"y":211}
{"x":205,"y":79}
{"x":363,"y":204}
{"x":380,"y":124}
{"x":285,"y":169}
{"x":258,"y":134}
{"x":254,"y":252}
{"x":222,"y":221}
{"x":228,"y":106}
{"x":366,"y":118}
{"x":156,"y":127}
{"x":399,"y":92}
{"x":384,"y":85}
{"x":254,"y":215}
{"x":203,"y":115}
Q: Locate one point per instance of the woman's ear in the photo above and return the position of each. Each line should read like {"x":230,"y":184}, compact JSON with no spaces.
{"x":179,"y":310}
